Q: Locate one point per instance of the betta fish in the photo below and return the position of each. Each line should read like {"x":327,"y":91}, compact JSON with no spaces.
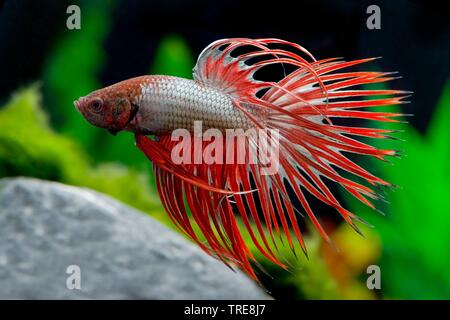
{"x":313,"y":114}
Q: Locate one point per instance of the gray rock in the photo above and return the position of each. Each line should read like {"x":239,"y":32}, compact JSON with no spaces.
{"x":46,"y":227}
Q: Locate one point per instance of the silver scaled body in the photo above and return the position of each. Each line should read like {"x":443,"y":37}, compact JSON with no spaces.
{"x":167,"y":103}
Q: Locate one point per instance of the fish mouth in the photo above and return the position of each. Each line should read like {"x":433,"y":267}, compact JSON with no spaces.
{"x":78,"y":104}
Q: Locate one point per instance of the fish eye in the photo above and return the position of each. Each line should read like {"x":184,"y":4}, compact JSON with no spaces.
{"x":97,"y":105}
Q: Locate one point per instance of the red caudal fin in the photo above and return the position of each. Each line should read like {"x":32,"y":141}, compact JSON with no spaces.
{"x":220,"y":204}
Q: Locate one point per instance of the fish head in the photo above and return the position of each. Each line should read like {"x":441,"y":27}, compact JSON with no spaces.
{"x":110,"y":108}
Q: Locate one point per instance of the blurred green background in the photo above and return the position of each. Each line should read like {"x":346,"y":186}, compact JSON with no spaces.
{"x":42,"y":135}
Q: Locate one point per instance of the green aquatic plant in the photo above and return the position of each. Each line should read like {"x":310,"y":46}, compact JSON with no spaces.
{"x":307,"y":278}
{"x":173,"y":57}
{"x":72,"y":70}
{"x":329,"y":271}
